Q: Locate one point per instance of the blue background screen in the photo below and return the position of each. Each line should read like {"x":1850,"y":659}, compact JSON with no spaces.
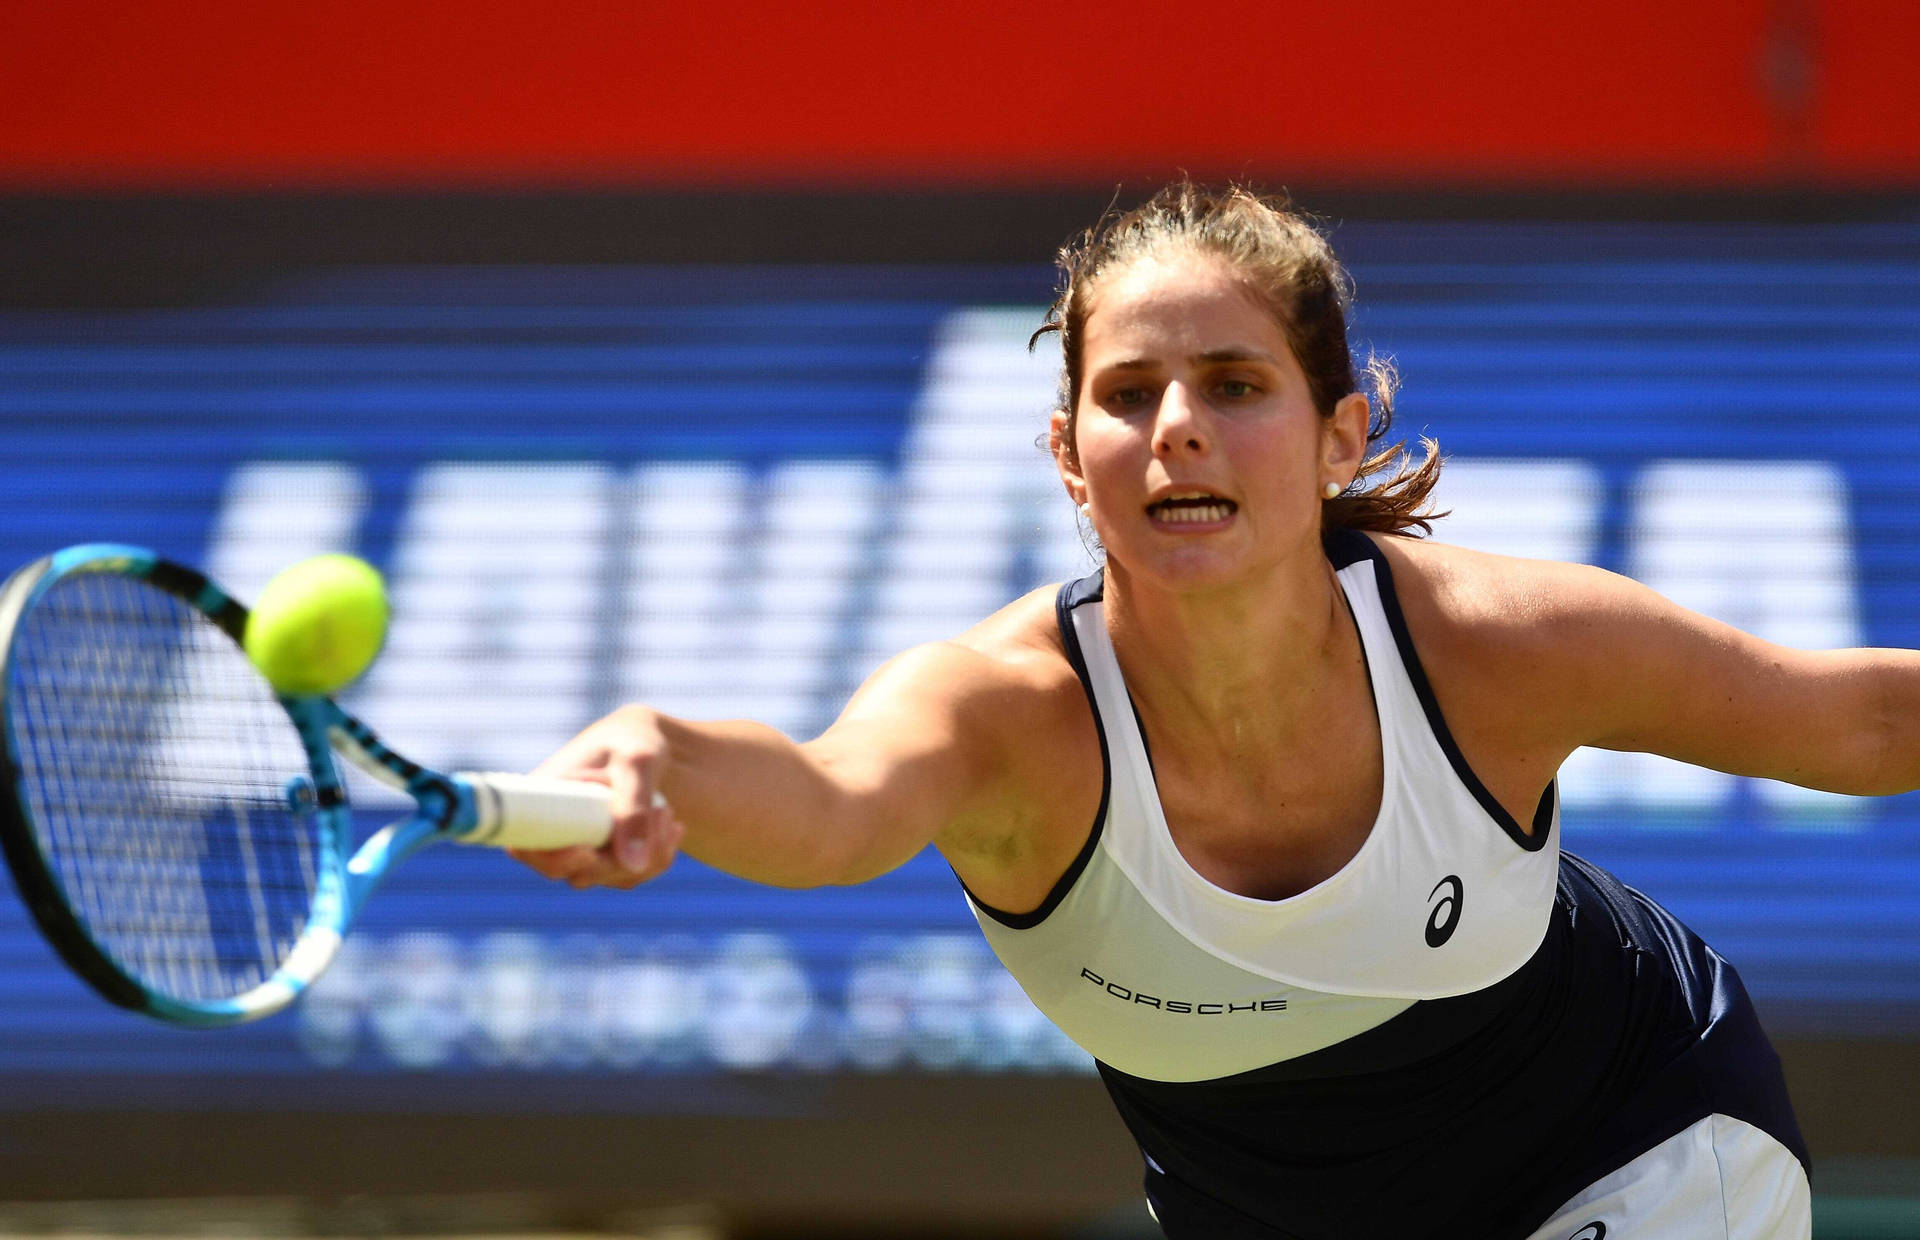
{"x":733,"y":491}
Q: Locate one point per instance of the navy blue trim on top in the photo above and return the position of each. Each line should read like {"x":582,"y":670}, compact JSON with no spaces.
{"x":1088,"y":589}
{"x":1345,"y":547}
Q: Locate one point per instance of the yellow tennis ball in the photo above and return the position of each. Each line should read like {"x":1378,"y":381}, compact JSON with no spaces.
{"x":318,"y":625}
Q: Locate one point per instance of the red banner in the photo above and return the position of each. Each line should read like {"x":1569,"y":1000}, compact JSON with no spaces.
{"x":437,"y":93}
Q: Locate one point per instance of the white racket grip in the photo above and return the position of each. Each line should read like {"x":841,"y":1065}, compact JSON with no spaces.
{"x":535,"y":811}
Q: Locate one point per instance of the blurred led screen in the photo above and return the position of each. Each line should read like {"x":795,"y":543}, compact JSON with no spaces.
{"x":734,"y":492}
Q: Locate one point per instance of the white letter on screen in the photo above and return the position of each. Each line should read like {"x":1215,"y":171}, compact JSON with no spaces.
{"x":277,"y":512}
{"x":738,"y":610}
{"x":981,"y":514}
{"x":679,"y":614}
{"x":1536,"y":509}
{"x":498,"y":584}
{"x":815,"y":534}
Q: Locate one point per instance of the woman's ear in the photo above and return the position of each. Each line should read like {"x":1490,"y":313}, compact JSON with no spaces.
{"x":1345,"y":437}
{"x":1060,"y":443}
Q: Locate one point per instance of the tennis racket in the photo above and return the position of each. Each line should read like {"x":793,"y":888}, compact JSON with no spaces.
{"x":180,"y":832}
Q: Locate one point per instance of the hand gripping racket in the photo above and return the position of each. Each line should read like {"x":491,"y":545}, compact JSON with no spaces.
{"x":181,"y":833}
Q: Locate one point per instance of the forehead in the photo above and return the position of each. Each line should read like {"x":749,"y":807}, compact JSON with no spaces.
{"x":1181,"y":304}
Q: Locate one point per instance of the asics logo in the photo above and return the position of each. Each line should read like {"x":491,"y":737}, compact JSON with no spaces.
{"x":1592,"y":1231}
{"x":1446,"y":914}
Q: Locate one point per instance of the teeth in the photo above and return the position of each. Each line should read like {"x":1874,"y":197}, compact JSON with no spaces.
{"x":1193,"y":513}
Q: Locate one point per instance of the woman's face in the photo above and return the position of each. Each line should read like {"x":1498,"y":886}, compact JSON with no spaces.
{"x":1197,"y":444}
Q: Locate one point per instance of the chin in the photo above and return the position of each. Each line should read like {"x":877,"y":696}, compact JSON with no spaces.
{"x":1183,"y":571}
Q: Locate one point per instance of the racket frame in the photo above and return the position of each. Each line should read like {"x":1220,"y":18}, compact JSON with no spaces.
{"x":446,"y":806}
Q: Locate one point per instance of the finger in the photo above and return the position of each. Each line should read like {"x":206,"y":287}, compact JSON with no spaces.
{"x":600,"y":874}
{"x":664,"y":833}
{"x":591,"y":749}
{"x":582,"y":757}
{"x":631,"y":816}
{"x":556,"y":863}
{"x":631,"y":847}
{"x":674,"y":832}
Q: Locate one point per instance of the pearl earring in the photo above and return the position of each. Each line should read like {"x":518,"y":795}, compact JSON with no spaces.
{"x":1086,"y":510}
{"x":1332,"y":490}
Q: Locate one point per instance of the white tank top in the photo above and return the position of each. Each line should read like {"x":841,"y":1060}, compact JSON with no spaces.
{"x":1159,"y":973}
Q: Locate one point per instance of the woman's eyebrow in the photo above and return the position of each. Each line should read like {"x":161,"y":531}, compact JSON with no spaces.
{"x":1236,"y":353}
{"x":1227,"y":353}
{"x":1129,"y":363}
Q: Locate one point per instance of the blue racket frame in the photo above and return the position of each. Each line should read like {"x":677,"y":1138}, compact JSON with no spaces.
{"x":446,"y":806}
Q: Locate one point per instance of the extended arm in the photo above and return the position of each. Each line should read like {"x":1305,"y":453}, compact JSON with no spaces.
{"x":932,"y":748}
{"x":1540,"y":658}
{"x":1665,"y":680}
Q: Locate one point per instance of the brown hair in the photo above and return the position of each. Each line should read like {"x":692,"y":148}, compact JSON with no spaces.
{"x":1289,"y":266}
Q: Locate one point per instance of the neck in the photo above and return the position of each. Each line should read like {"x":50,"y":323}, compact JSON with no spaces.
{"x":1235,"y":664}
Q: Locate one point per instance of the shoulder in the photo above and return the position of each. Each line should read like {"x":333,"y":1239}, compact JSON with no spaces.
{"x":971,"y":744}
{"x":1022,"y":637}
{"x":1001,"y":698}
{"x":1019,"y":707}
{"x":1472,"y":602}
{"x":1013,"y":658}
{"x":1521,"y":654}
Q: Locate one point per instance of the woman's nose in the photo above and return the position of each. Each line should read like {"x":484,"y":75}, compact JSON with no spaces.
{"x":1180,"y":423}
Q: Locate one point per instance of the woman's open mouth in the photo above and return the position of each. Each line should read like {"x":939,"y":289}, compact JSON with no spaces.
{"x":1191,"y":508}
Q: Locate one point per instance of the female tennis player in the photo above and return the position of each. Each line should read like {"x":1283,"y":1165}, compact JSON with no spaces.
{"x":1263,"y":814}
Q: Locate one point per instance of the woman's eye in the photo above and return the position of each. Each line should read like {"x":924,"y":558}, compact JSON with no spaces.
{"x":1236,"y":389}
{"x":1129,"y":398}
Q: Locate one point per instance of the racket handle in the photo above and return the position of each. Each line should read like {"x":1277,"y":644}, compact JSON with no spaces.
{"x":535,"y":811}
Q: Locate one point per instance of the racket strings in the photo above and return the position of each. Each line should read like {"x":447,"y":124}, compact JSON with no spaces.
{"x":156,"y":763}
